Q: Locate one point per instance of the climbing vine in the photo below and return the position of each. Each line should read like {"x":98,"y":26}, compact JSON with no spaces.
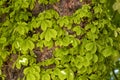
{"x":58,"y":39}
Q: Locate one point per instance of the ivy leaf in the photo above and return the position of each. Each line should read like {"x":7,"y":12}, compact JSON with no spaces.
{"x":50,"y":33}
{"x":48,"y":14}
{"x":77,"y":30}
{"x":2,"y":40}
{"x":23,"y":61}
{"x":62,"y":74}
{"x":103,"y":1}
{"x":70,"y":74}
{"x":63,"y":21}
{"x":21,"y":30}
{"x":30,"y":77}
{"x":40,"y":43}
{"x":45,"y":24}
{"x":37,"y":75}
{"x":89,"y":56}
{"x":37,"y":68}
{"x":93,"y":77}
{"x":75,"y":42}
{"x":42,"y":35}
{"x":67,"y":40}
{"x":27,"y":44}
{"x":95,"y":58}
{"x":78,"y":62}
{"x":98,"y":9}
{"x":107,"y":51}
{"x":93,"y":29}
{"x":25,"y":4}
{"x":45,"y":76}
{"x":30,"y":44}
{"x":49,"y":44}
{"x":86,"y":62}
{"x":4,"y":54}
{"x":115,"y":56}
{"x":32,"y":4}
{"x":89,"y":46}
{"x":17,"y":43}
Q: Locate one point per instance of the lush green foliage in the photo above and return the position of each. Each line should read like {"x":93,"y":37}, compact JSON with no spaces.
{"x":87,"y":53}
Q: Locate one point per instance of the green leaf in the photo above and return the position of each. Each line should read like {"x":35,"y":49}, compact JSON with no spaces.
{"x":86,"y":63}
{"x":89,"y":46}
{"x":30,"y":44}
{"x":45,"y":76}
{"x":49,"y":44}
{"x":103,"y":1}
{"x":42,"y":35}
{"x":26,"y":44}
{"x":93,"y":29}
{"x":37,"y":68}
{"x":25,"y":4}
{"x":48,"y":14}
{"x":60,"y":52}
{"x":63,"y":21}
{"x":70,"y":74}
{"x":83,"y":70}
{"x":26,"y":70}
{"x":75,"y":42}
{"x":66,"y":41}
{"x":18,"y":65}
{"x":2,"y":40}
{"x":45,"y":24}
{"x":98,"y":9}
{"x":107,"y":51}
{"x":23,"y":61}
{"x":95,"y":58}
{"x":93,"y":77}
{"x":32,"y":4}
{"x":37,"y":75}
{"x":116,"y":6}
{"x":79,"y":62}
{"x":40,"y":43}
{"x":115,"y":56}
{"x":50,"y":33}
{"x":21,"y":30}
{"x":89,"y":56}
{"x":4,"y":54}
{"x":77,"y":29}
{"x":17,"y":43}
{"x":62,"y":75}
{"x":30,"y":77}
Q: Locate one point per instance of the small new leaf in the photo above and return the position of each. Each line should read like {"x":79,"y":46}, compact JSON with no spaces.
{"x":50,"y":33}
{"x":107,"y":51}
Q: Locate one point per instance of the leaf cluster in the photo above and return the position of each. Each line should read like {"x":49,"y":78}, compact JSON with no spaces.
{"x":83,"y":45}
